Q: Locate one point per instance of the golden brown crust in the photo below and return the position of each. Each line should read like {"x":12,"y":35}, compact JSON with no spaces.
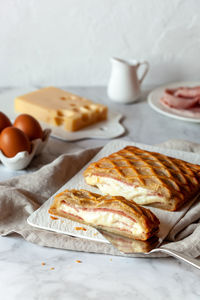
{"x":173,"y":179}
{"x":82,"y":199}
{"x":127,"y":245}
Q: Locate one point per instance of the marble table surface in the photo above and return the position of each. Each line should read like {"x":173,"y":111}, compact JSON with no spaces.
{"x":22,"y":275}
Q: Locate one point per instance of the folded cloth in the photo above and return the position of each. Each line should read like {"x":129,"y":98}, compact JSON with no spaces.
{"x":21,"y":195}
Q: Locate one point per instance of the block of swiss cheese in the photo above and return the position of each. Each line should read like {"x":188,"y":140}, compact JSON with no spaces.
{"x":61,"y":108}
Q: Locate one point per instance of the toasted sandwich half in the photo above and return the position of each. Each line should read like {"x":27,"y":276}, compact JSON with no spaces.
{"x":148,"y":178}
{"x":111,"y":213}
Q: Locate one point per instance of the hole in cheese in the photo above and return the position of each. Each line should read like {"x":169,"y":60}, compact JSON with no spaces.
{"x":75,"y":109}
{"x":58,"y":121}
{"x":85,"y":117}
{"x":60,"y":113}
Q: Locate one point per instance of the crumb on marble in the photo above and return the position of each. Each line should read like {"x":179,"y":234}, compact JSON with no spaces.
{"x":53,"y":218}
{"x":81,"y":228}
{"x":95,"y":233}
{"x":52,"y":268}
{"x":111,"y":259}
{"x":79,"y":261}
{"x":43,"y":263}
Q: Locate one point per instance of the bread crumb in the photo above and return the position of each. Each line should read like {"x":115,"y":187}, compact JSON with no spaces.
{"x":95,"y":234}
{"x":53,"y":218}
{"x":111,"y":259}
{"x":52,"y":268}
{"x":79,"y":261}
{"x":80,"y":228}
{"x":43,"y":263}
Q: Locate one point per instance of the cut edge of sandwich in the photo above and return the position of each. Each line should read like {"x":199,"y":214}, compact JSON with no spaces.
{"x":108,"y":216}
{"x":140,"y":195}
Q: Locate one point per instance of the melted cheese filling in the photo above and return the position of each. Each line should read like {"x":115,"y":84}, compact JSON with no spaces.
{"x":104,"y":218}
{"x":117,"y":188}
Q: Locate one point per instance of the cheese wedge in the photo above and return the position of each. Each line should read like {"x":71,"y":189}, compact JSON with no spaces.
{"x":61,"y":108}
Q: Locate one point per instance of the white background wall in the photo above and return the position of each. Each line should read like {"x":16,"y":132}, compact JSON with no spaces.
{"x":69,"y":42}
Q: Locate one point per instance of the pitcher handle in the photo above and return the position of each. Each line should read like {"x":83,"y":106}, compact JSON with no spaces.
{"x":146,"y":64}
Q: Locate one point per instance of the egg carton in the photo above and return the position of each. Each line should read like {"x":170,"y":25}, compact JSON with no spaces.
{"x":22,"y":159}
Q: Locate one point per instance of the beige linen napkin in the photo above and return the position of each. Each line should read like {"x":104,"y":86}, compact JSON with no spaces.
{"x":21,"y":195}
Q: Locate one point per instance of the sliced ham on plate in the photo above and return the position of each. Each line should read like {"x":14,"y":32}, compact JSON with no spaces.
{"x":183,"y":100}
{"x":188,"y":92}
{"x":193,"y":112}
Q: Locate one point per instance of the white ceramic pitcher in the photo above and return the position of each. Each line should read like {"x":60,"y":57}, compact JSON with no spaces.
{"x":124,"y":84}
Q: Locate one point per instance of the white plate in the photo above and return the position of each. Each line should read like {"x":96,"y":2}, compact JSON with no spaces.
{"x":108,"y":129}
{"x":41,"y":219}
{"x":154,"y":101}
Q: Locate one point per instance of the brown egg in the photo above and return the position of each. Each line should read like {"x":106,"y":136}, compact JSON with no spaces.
{"x":4,"y":121}
{"x":30,"y":126}
{"x":13,"y":140}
